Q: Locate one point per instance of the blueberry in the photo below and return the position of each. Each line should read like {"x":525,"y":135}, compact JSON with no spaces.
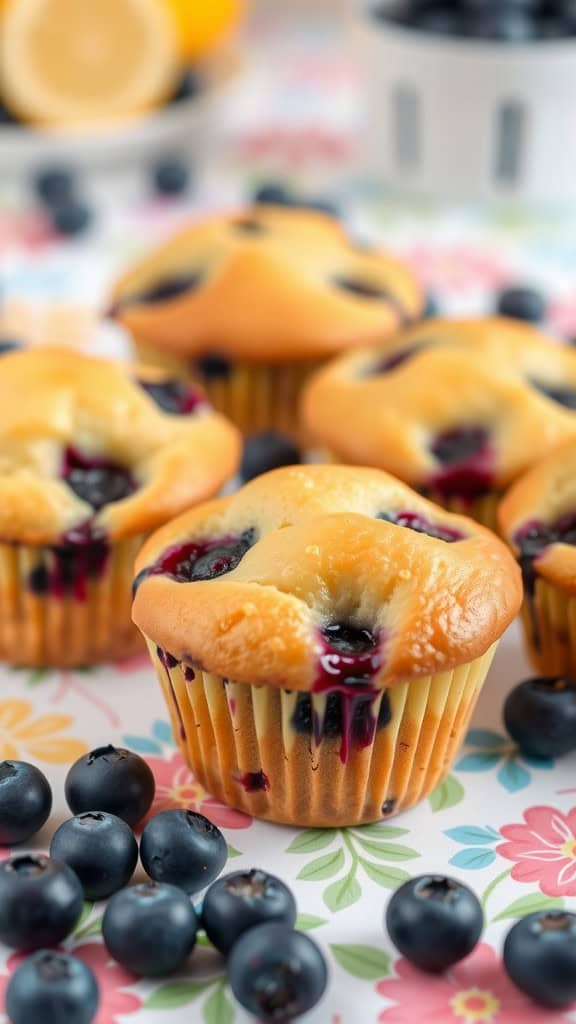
{"x":173,"y":396}
{"x":9,"y":345}
{"x":54,"y":185}
{"x":71,"y":217}
{"x":96,"y":480}
{"x":434,"y":921}
{"x":266,"y":451}
{"x":40,"y":901}
{"x":101,"y":850}
{"x":25,"y":801}
{"x":505,"y":26}
{"x":52,"y":988}
{"x":276,"y":973}
{"x":171,"y":177}
{"x":7,"y":118}
{"x":111,"y":779}
{"x":150,"y":929}
{"x":431,"y":307}
{"x":241,"y":900}
{"x":540,"y":715}
{"x":272,"y":193}
{"x":189,"y":86}
{"x":320,"y":204}
{"x":214,"y":366}
{"x":522,"y":303}
{"x":540,"y":957}
{"x":183,"y":848}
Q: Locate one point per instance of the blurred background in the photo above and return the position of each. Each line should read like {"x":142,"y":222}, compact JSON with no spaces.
{"x":442,"y":128}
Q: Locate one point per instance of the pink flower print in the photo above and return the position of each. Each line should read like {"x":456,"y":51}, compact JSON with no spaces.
{"x":457,"y":267}
{"x":543,"y":850}
{"x":475,"y":991}
{"x":115,"y":1003}
{"x":177,"y":787}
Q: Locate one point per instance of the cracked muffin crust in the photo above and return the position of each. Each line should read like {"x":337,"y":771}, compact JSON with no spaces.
{"x":458,"y":409}
{"x":538,"y":519}
{"x":93,"y":456}
{"x":324,"y":627}
{"x":249,"y":303}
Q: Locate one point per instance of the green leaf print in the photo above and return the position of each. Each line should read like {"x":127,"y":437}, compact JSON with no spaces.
{"x":343,"y":893}
{"x":175,"y":994}
{"x":218,"y":1009}
{"x":312,"y":840}
{"x":322,"y":867}
{"x":387,"y":851}
{"x":530,"y":904}
{"x":380,"y":831}
{"x":366,"y":962}
{"x":307,"y":922}
{"x":448,"y":794}
{"x":388,"y":878}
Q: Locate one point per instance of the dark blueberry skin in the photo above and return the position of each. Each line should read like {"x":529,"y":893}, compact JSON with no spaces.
{"x":165,"y":289}
{"x":540,"y":715}
{"x":150,"y":929}
{"x":359,"y":719}
{"x":434,"y":921}
{"x":200,"y":560}
{"x":242,"y":900}
{"x":263,"y":452}
{"x":52,"y":988}
{"x":54,"y":185}
{"x":7,"y":118}
{"x":522,"y":303}
{"x":71,"y":218}
{"x":171,"y":177}
{"x":559,"y":393}
{"x":189,"y":87}
{"x":533,"y":539}
{"x":101,"y":850}
{"x":416,"y":522}
{"x":25,"y":801}
{"x":40,"y":902}
{"x":214,"y":366}
{"x":273,"y":193}
{"x":173,"y":396}
{"x":276,"y":973}
{"x":9,"y":345}
{"x":111,"y":779}
{"x":95,"y":480}
{"x":540,"y":957}
{"x":431,"y":307}
{"x":350,"y":658}
{"x":184,"y":849}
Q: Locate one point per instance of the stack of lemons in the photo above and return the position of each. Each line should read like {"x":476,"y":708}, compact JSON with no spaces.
{"x":66,"y":62}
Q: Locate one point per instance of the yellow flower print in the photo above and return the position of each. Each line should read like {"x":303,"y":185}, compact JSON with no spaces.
{"x":22,"y":733}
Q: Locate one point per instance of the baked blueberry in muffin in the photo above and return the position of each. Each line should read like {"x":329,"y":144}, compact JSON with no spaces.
{"x":538,"y":519}
{"x":321,"y":637}
{"x":97,"y":456}
{"x":459,"y":409}
{"x":250,"y":303}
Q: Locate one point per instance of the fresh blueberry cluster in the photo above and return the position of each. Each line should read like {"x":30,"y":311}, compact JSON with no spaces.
{"x":435,"y":921}
{"x":500,"y":21}
{"x":149,"y":928}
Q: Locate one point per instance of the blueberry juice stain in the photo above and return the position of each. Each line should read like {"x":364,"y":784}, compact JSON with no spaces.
{"x":200,"y":560}
{"x":168,"y":662}
{"x":532,"y":541}
{"x":467,"y":464}
{"x":349,"y":660}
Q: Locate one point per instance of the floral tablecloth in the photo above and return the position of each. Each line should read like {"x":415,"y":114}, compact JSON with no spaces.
{"x":503,"y":824}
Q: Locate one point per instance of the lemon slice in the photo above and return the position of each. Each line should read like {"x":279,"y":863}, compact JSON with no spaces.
{"x":201,"y":24}
{"x":66,"y":61}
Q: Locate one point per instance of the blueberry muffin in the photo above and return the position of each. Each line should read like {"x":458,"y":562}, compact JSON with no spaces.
{"x":321,"y":638}
{"x":94,"y":455}
{"x":250,"y":303}
{"x":538,"y":519}
{"x":459,"y":409}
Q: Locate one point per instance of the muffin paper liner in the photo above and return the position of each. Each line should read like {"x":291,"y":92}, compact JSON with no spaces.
{"x":66,"y":617}
{"x":483,"y":510}
{"x":257,"y":397}
{"x":241,"y":745}
{"x":549,"y":620}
